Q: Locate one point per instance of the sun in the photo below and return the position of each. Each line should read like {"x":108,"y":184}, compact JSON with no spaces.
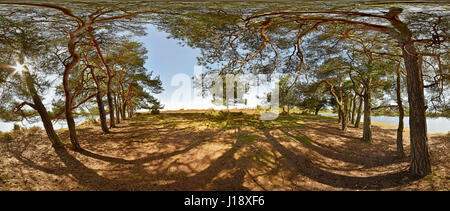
{"x":19,"y":68}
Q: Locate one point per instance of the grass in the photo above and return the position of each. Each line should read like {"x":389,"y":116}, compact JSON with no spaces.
{"x":304,"y":139}
{"x":247,"y":138}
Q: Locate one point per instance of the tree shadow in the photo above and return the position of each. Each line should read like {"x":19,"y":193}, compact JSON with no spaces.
{"x":92,"y":180}
{"x":229,"y":171}
{"x":302,"y":165}
{"x":329,"y":152}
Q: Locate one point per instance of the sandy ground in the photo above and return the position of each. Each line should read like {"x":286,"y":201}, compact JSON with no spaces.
{"x":194,"y":151}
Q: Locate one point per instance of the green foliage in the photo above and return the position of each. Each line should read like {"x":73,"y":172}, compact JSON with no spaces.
{"x":156,"y":107}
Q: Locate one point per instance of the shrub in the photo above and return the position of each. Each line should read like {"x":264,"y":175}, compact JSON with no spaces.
{"x":34,"y":130}
{"x":92,"y":121}
{"x":223,"y":115}
{"x":155,"y":108}
{"x":9,"y":136}
{"x":16,"y":128}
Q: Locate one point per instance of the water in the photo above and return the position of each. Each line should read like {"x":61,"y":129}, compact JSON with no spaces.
{"x":8,"y":126}
{"x":434,"y":124}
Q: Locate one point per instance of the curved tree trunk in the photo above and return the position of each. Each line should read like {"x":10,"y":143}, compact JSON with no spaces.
{"x":40,"y":108}
{"x":367,"y":132}
{"x":68,"y":95}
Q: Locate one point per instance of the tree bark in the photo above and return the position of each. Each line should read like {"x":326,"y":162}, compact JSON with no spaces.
{"x":68,"y":95}
{"x":40,"y":108}
{"x":353,"y":110}
{"x":112,"y":122}
{"x":339,"y":114}
{"x":400,"y":151}
{"x":100,"y":105}
{"x":102,"y":113}
{"x":345,"y":113}
{"x":130,"y":110}
{"x":358,"y":115}
{"x":124,"y":109}
{"x":316,"y":112}
{"x":367,"y":132}
{"x":420,"y":156}
{"x":109,"y":75}
{"x":116,"y":106}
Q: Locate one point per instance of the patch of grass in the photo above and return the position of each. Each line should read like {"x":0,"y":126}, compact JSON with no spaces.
{"x":304,"y":139}
{"x":171,"y":123}
{"x":247,"y":138}
{"x":146,"y":117}
{"x":10,"y":135}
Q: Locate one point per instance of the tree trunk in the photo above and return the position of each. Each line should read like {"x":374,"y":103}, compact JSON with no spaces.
{"x":130,"y":110}
{"x":68,"y":95}
{"x":400,"y":151}
{"x":101,"y":110}
{"x":112,"y":122}
{"x":40,"y":108}
{"x":339,"y":114}
{"x":353,"y":109}
{"x":316,"y":112}
{"x":71,"y":122}
{"x":358,"y":116}
{"x":116,"y":107}
{"x":420,"y":156}
{"x":367,"y":132}
{"x":124,"y":109}
{"x":345,"y":113}
{"x":100,"y":105}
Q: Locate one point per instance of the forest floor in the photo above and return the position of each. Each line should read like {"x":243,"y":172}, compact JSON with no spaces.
{"x":206,"y":150}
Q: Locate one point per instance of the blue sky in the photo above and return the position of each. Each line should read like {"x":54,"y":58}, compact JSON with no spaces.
{"x":166,"y":57}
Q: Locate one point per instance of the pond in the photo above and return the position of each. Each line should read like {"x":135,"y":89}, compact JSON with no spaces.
{"x":434,"y":124}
